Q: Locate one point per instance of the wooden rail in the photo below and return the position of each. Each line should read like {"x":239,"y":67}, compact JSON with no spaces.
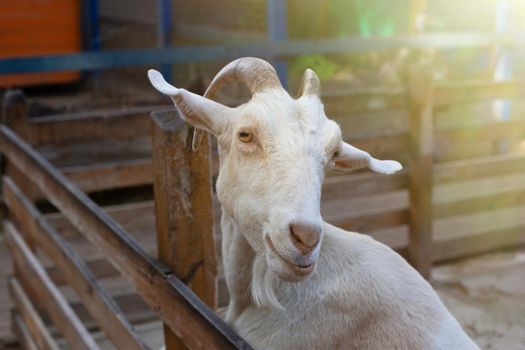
{"x":101,"y":306}
{"x":34,"y":278}
{"x":175,"y":303}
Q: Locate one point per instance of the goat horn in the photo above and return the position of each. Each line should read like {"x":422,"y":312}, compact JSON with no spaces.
{"x":310,"y":84}
{"x":255,"y":73}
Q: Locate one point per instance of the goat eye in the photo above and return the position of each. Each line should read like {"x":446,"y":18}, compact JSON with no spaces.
{"x":335,"y":155}
{"x":245,"y":136}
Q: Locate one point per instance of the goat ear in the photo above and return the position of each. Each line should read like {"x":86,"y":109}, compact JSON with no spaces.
{"x":351,"y":158}
{"x":199,"y":111}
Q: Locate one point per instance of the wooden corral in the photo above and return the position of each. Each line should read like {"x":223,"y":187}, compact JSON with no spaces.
{"x":48,"y":252}
{"x":88,"y":270}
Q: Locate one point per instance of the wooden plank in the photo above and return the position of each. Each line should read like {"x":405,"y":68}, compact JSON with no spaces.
{"x":95,"y":176}
{"x":420,"y":97}
{"x":367,"y":213}
{"x":183,"y":207}
{"x":99,"y":303}
{"x":33,"y":274}
{"x":371,"y":124}
{"x":174,"y":302}
{"x":100,"y":267}
{"x":510,"y":129}
{"x":22,"y":181}
{"x":445,"y":153}
{"x":135,"y":310}
{"x":478,"y":223}
{"x":29,"y":315}
{"x":6,"y":305}
{"x":479,"y":167}
{"x":482,"y":187}
{"x":90,"y":152}
{"x":372,"y":221}
{"x":104,"y":176}
{"x":449,"y":93}
{"x":115,"y":124}
{"x":339,"y":100}
{"x":460,"y":247}
{"x":479,"y":204}
{"x":137,"y":218}
{"x":22,"y":333}
{"x":368,"y":183}
{"x":483,"y":194}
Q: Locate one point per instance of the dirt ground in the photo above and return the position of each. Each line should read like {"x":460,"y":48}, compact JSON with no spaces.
{"x":487,"y":296}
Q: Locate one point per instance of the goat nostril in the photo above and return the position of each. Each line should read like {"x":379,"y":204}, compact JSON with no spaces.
{"x":305,"y":238}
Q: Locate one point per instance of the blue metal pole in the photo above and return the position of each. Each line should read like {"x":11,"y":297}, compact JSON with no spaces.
{"x":164,"y":30}
{"x":94,"y":30}
{"x":277,"y":29}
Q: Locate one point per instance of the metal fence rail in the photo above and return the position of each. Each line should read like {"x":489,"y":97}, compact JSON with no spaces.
{"x":268,"y":49}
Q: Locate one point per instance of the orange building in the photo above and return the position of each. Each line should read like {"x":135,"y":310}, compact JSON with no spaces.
{"x":34,"y":28}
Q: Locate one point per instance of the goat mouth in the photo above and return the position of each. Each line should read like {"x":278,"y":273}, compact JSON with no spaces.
{"x":300,"y":270}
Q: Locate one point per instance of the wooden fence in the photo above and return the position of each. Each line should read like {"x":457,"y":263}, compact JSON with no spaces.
{"x":29,"y":235}
{"x":461,"y":193}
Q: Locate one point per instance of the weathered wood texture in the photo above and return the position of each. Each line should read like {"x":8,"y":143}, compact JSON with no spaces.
{"x":176,"y":305}
{"x":22,"y":333}
{"x":420,"y":97}
{"x":29,"y":315}
{"x":100,"y":305}
{"x":183,"y":205}
{"x":33,"y":277}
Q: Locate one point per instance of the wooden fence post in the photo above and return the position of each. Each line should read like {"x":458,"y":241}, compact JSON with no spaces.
{"x":15,"y":112}
{"x":183,"y":207}
{"x":421,"y":147}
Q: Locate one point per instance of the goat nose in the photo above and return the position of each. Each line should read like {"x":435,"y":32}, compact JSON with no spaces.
{"x":305,"y":237}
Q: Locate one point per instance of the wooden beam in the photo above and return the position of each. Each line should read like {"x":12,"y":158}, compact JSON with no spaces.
{"x":98,"y":302}
{"x":112,"y":124}
{"x":449,"y":93}
{"x":467,"y":169}
{"x":100,"y":267}
{"x":481,"y":203}
{"x":22,"y":333}
{"x":460,"y":247}
{"x":105,"y":176}
{"x":490,"y":131}
{"x":137,"y":218}
{"x":174,"y":302}
{"x":29,"y":315}
{"x":420,"y":97}
{"x":368,"y":183}
{"x":365,"y":223}
{"x":33,"y":276}
{"x":344,"y":100}
{"x":183,"y":206}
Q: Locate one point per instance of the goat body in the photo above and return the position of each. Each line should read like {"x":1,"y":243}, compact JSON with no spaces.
{"x":363,"y":295}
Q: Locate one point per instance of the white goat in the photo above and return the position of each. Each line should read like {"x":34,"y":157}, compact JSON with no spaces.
{"x":295,"y":281}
